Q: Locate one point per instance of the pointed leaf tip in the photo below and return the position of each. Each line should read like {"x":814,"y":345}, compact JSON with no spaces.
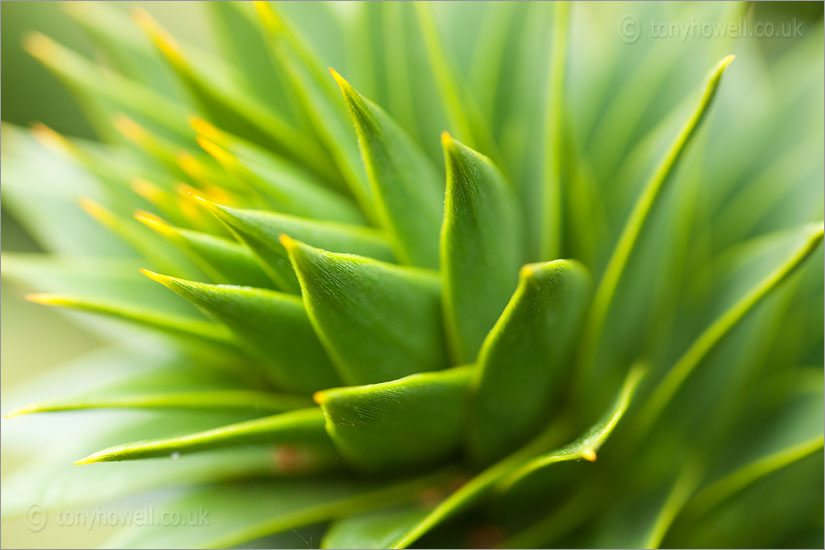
{"x":45,"y":299}
{"x":38,"y":45}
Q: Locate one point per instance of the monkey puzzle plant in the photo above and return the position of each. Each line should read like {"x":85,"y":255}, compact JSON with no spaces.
{"x":346,"y":334}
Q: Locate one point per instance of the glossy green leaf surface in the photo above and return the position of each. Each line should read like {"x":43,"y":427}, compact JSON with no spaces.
{"x":391,"y":426}
{"x":525,"y":357}
{"x":481,"y":247}
{"x":378,"y":321}
{"x":407,"y":190}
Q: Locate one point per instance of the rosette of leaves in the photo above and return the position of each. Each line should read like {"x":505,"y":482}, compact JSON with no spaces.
{"x":331,"y":327}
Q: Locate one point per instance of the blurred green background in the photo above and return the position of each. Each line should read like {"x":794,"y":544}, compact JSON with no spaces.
{"x":30,"y":93}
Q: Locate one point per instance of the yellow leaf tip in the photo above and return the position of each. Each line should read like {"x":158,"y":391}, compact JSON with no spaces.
{"x":204,"y":128}
{"x":87,"y":460}
{"x":38,"y":45}
{"x":446,"y":139}
{"x":128,"y":127}
{"x":287,"y":241}
{"x":151,"y":220}
{"x":345,"y":86}
{"x":44,"y":299}
{"x":157,"y":277}
{"x":16,"y":412}
{"x":94,"y":209}
{"x":319,"y":397}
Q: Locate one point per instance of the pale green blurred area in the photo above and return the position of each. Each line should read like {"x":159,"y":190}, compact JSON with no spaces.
{"x":34,"y":338}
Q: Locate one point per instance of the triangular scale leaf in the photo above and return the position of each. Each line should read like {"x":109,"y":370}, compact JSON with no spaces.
{"x":481,"y":247}
{"x":271,"y":325}
{"x":413,"y":421}
{"x":406,"y":187}
{"x":260,"y":231}
{"x":378,"y":321}
{"x":524,"y":357}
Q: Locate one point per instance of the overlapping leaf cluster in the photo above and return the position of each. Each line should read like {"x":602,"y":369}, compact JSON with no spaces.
{"x":402,"y":343}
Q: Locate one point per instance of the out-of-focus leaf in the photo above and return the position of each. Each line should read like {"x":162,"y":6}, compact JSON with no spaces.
{"x":524,"y":358}
{"x":407,"y":191}
{"x":99,"y":83}
{"x":586,"y":446}
{"x":666,"y":389}
{"x":373,"y":530}
{"x":230,"y":109}
{"x":511,"y":469}
{"x":200,"y":400}
{"x":241,"y":512}
{"x":42,"y":189}
{"x":285,"y":187}
{"x":162,"y":321}
{"x":416,"y":420}
{"x":273,"y":326}
{"x":481,"y":247}
{"x":150,"y":246}
{"x":302,"y":428}
{"x":319,"y":101}
{"x":627,"y":240}
{"x":257,"y":73}
{"x":223,"y":260}
{"x":378,"y":321}
{"x":551,"y":208}
{"x":261,"y":230}
{"x":790,"y":428}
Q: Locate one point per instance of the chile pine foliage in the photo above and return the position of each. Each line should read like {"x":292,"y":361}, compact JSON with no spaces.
{"x":588,"y":314}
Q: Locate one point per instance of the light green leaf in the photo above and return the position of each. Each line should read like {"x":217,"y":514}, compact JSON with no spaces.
{"x":586,"y":446}
{"x":172,"y":324}
{"x":635,"y":222}
{"x":284,"y":186}
{"x":319,"y":101}
{"x":242,"y":512}
{"x":407,"y":191}
{"x":524,"y":358}
{"x":230,"y":109}
{"x":723,"y":324}
{"x":378,"y":321}
{"x":394,"y":425}
{"x":257,"y":74}
{"x":261,"y":230}
{"x":551,"y":211}
{"x":481,"y":247}
{"x":303,"y":428}
{"x":200,"y":400}
{"x":373,"y":530}
{"x":223,"y":260}
{"x":273,"y":326}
